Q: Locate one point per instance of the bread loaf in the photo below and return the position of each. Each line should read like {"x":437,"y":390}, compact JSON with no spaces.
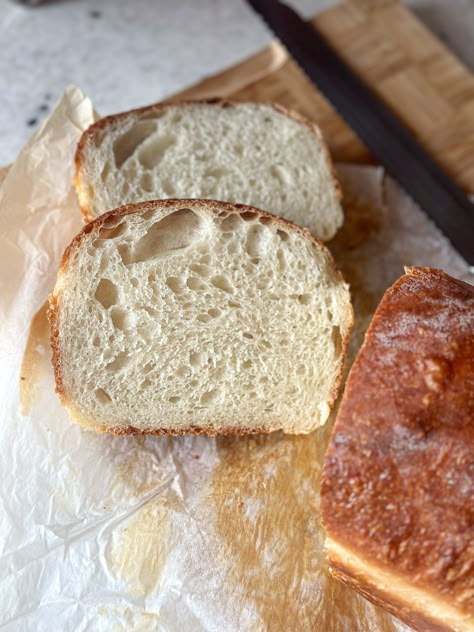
{"x":398,"y":483}
{"x":194,"y":316}
{"x":246,"y":153}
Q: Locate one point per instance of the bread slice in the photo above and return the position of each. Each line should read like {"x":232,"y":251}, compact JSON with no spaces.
{"x":195,"y":316}
{"x":246,"y":153}
{"x":398,"y":483}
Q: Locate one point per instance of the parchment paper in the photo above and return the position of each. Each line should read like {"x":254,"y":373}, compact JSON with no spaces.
{"x":144,"y":533}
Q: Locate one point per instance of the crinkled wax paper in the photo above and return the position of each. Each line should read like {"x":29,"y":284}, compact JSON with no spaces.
{"x":144,"y":533}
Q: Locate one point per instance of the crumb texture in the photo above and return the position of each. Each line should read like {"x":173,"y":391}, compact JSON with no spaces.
{"x":193,"y":314}
{"x":241,"y":153}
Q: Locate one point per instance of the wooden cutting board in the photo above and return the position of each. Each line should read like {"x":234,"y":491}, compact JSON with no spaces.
{"x":424,"y":84}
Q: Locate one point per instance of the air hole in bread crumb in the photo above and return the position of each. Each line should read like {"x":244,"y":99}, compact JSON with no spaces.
{"x":265,"y":220}
{"x":177,"y":231}
{"x":247,"y":335}
{"x":209,"y":397}
{"x":145,"y":384}
{"x":195,"y":358}
{"x":112,"y":221}
{"x":249,"y":216}
{"x":153,"y":151}
{"x":146,"y":182}
{"x":114,"y":231}
{"x":214,"y":312}
{"x":257,"y":240}
{"x":125,"y":254}
{"x":234,"y":304}
{"x":203,"y":318}
{"x":221,"y":282}
{"x":194,"y":284}
{"x":174,"y":399}
{"x":304,"y":299}
{"x":247,"y":364}
{"x":201,"y":269}
{"x":174,"y":284}
{"x":96,"y":341}
{"x":120,"y":362}
{"x":231,"y":223}
{"x":126,"y":144}
{"x":102,"y":396}
{"x":283,"y":235}
{"x":122,"y":319}
{"x":106,"y":293}
{"x":134,"y":281}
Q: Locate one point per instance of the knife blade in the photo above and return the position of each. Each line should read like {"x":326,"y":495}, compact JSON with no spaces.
{"x":383,"y":133}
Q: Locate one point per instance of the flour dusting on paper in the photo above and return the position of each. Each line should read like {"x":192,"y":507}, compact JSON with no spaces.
{"x":158,"y":533}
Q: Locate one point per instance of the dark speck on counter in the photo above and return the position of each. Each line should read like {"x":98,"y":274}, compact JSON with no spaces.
{"x":95,"y":13}
{"x":32,"y":121}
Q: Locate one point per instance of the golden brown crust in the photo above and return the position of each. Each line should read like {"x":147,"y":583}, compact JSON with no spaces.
{"x":218,"y":207}
{"x":94,"y":130}
{"x":207,"y":431}
{"x":398,"y":481}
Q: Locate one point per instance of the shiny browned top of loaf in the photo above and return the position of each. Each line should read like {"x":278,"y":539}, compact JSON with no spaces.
{"x":398,"y":482}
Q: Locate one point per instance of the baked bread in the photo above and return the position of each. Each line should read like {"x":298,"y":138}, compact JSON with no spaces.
{"x":246,"y":153}
{"x":398,"y":482}
{"x":196,"y":316}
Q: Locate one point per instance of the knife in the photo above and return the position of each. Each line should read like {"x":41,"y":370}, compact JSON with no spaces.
{"x":384,"y":134}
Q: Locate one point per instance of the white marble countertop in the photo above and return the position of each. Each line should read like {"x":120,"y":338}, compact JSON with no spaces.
{"x":125,"y":54}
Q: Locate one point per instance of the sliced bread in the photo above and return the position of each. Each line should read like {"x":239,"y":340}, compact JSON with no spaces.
{"x":246,"y":153}
{"x":196,"y":316}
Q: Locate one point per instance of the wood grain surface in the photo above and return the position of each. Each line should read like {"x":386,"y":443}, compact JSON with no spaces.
{"x":424,"y":84}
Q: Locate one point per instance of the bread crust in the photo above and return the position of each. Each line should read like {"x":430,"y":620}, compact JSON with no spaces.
{"x":54,"y":312}
{"x":398,"y":479}
{"x":369,"y":585}
{"x":95,"y":129}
